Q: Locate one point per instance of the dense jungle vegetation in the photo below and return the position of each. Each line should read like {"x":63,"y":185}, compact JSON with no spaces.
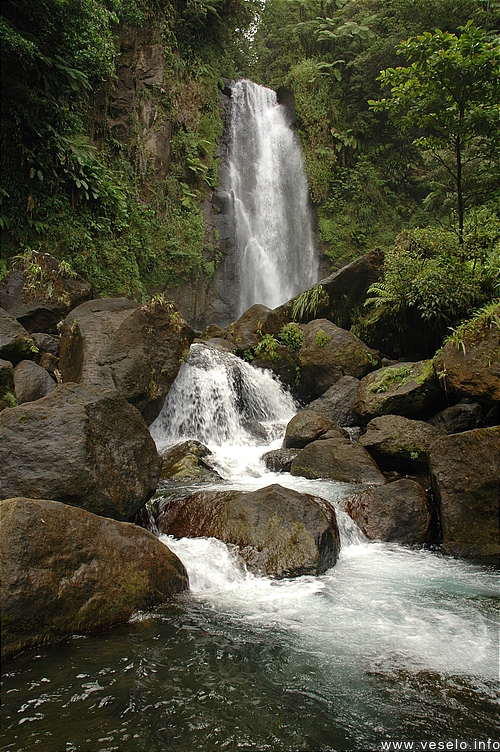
{"x":397,"y":105}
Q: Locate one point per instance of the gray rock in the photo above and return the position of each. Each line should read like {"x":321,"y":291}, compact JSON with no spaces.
{"x":279,"y":460}
{"x":82,"y":446}
{"x":398,"y":512}
{"x":399,"y":443}
{"x":64,"y":570}
{"x":465,"y":477}
{"x":31,"y":382}
{"x":338,"y":459}
{"x":15,"y":342}
{"x":308,"y":426}
{"x":46,"y":343}
{"x":336,"y":403}
{"x":279,"y":532}
{"x":466,"y":416}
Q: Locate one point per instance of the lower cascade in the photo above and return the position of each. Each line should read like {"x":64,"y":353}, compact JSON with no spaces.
{"x":392,"y":643}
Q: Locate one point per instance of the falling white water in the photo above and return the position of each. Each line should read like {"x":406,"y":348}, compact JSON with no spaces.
{"x":275,"y":244}
{"x":219,"y":400}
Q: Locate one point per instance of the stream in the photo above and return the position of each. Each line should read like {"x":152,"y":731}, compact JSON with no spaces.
{"x":392,"y":643}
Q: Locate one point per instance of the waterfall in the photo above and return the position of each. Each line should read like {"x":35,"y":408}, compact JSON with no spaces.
{"x":276,"y":256}
{"x":218,"y":399}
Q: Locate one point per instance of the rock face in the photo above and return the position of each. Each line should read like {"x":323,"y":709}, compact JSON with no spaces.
{"x":280,"y":532}
{"x":65,"y":570}
{"x":187,"y":460}
{"x":476,"y":372}
{"x":308,"y":426}
{"x":397,"y":512}
{"x":328,"y":353}
{"x":465,"y":476}
{"x":114,"y":344}
{"x":279,"y":460}
{"x":396,"y":442}
{"x":258,"y":320}
{"x":31,"y":382}
{"x":465,"y":416}
{"x":82,"y":446}
{"x":15,"y":342}
{"x":409,"y":389}
{"x":7,"y":393}
{"x":338,"y":459}
{"x":41,"y":309}
{"x":336,"y":403}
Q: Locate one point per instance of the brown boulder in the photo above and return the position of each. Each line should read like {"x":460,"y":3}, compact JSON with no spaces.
{"x":279,"y":460}
{"x":15,"y":342}
{"x":336,"y":403}
{"x":31,"y":382}
{"x":249,"y":329}
{"x":397,"y":442}
{"x":7,"y":390}
{"x":398,"y":512}
{"x":473,"y":369}
{"x":187,"y":460}
{"x":409,"y":389}
{"x":280,"y":532}
{"x":329,"y":353}
{"x":465,"y":477}
{"x":65,"y":570}
{"x":81,"y":446}
{"x":338,"y":459}
{"x":308,"y":426}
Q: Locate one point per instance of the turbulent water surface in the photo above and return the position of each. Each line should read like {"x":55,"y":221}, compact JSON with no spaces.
{"x":391,"y":643}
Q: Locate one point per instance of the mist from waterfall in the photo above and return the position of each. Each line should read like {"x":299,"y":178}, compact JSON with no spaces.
{"x":275,"y":246}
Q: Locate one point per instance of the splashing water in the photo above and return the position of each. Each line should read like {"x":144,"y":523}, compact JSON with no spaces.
{"x":275,"y":244}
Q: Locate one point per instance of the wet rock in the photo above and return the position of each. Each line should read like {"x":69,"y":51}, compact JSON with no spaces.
{"x":474,"y":369}
{"x":329,"y":353}
{"x":465,"y":476}
{"x":306,"y":426}
{"x":279,"y":460}
{"x":279,"y":532}
{"x":249,"y":329}
{"x":65,"y":570}
{"x":399,"y":443}
{"x":113,"y":343}
{"x":7,"y":389}
{"x":336,"y":403}
{"x":462,"y":417}
{"x":338,"y":459}
{"x":15,"y":342}
{"x":31,"y":382}
{"x":409,"y":389}
{"x":399,"y":512}
{"x":40,"y":309}
{"x":82,"y":446}
{"x":188,"y":460}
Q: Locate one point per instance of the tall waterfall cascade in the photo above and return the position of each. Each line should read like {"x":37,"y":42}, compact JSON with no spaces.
{"x":274,"y":237}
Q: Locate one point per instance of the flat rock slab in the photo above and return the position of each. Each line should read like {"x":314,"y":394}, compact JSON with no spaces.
{"x":65,"y":570}
{"x":465,"y":477}
{"x":399,"y":512}
{"x":279,"y":532}
{"x":81,"y":446}
{"x":338,"y":459}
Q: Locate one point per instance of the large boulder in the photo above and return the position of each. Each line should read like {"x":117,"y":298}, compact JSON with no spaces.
{"x":399,"y":443}
{"x":336,"y":403}
{"x":39,"y":301}
{"x":398,"y":512}
{"x":113,"y":343}
{"x":188,"y":460}
{"x":252,"y":325}
{"x":279,"y":532}
{"x":328,"y":353}
{"x":7,"y":389}
{"x":473,"y":368}
{"x":465,"y":477}
{"x":82,"y":446}
{"x":15,"y":342}
{"x":409,"y":389}
{"x":309,"y":425}
{"x":465,"y":416}
{"x":65,"y":570}
{"x":32,"y":382}
{"x":338,"y":459}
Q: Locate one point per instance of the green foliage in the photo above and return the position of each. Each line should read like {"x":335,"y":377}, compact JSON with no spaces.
{"x":308,"y":303}
{"x":266,"y":348}
{"x":322,"y":338}
{"x":291,"y":335}
{"x":469,"y":331}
